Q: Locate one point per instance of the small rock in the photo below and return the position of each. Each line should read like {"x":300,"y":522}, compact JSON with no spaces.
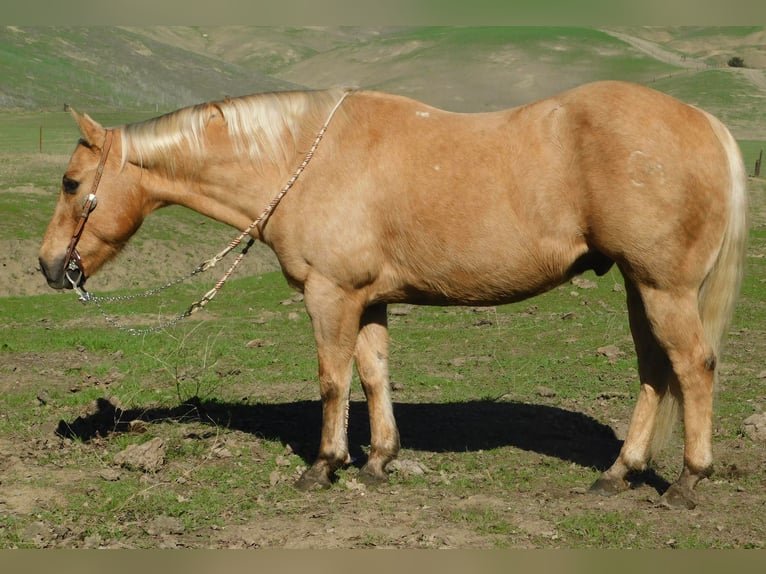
{"x":407,"y":467}
{"x":754,"y":427}
{"x":546,"y":392}
{"x":222,"y":452}
{"x":109,"y":474}
{"x":354,"y":484}
{"x":608,"y":395}
{"x":297,"y":298}
{"x":583,"y":283}
{"x":43,"y":398}
{"x":258,"y":343}
{"x":609,"y":351}
{"x":92,"y":541}
{"x":147,"y":457}
{"x":59,"y":531}
{"x":38,"y":533}
{"x":164,"y":525}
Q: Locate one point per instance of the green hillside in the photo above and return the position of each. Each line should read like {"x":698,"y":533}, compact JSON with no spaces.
{"x":158,"y":68}
{"x":112,"y":68}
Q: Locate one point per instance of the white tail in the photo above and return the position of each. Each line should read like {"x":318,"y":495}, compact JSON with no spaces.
{"x":719,"y":291}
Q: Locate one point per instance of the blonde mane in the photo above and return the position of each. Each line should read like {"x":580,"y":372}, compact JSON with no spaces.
{"x":262,"y":127}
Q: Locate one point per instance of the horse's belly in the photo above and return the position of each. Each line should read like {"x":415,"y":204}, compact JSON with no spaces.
{"x":493,"y":281}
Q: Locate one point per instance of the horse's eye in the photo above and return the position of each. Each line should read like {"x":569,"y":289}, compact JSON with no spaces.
{"x":70,"y":185}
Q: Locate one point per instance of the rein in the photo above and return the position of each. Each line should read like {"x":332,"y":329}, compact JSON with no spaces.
{"x":73,"y":261}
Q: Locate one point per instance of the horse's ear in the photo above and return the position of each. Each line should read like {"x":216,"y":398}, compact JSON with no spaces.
{"x":92,"y":132}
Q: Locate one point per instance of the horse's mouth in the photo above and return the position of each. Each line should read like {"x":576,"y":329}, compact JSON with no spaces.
{"x":60,"y":278}
{"x":75,"y":277}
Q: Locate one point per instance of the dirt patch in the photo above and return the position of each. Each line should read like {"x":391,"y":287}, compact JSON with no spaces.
{"x":140,"y":266}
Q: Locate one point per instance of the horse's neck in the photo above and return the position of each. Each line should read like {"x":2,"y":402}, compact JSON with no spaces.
{"x":231,"y":183}
{"x":228,"y":191}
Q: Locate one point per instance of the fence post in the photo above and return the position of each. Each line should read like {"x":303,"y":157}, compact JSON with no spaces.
{"x":758,"y":165}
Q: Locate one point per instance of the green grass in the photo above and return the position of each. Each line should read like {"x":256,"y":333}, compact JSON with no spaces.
{"x":750,"y":153}
{"x":722,"y":92}
{"x":21,"y":130}
{"x":605,"y":530}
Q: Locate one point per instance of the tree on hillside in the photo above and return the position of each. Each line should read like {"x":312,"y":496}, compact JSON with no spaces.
{"x":736,"y":62}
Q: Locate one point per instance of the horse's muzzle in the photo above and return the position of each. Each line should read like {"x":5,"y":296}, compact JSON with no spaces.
{"x":56,"y":275}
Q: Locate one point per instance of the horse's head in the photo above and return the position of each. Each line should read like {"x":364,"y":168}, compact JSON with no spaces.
{"x":99,"y":208}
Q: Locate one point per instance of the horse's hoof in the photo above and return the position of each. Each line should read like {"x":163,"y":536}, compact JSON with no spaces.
{"x":371,"y":477}
{"x":313,"y":479}
{"x":678,"y":497}
{"x":605,"y":486}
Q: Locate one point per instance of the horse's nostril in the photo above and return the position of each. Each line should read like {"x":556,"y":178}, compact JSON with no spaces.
{"x":53,"y":271}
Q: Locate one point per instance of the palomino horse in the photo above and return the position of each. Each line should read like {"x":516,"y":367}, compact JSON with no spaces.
{"x":403,"y":202}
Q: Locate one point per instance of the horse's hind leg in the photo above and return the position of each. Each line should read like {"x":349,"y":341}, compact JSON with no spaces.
{"x":677,"y":328}
{"x":372,"y":363}
{"x":649,"y":419}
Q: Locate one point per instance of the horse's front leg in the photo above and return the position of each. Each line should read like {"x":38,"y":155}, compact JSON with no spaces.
{"x":372,"y":363}
{"x":335,"y":316}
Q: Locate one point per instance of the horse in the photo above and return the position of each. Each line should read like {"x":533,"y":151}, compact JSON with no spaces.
{"x":403,"y":202}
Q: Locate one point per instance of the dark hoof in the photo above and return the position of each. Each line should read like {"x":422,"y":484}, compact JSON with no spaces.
{"x":678,"y":497}
{"x":314,"y":479}
{"x":605,"y":486}
{"x":371,"y":477}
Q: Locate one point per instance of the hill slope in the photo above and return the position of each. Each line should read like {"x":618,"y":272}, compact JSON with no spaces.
{"x":110,"y":68}
{"x":162,"y":68}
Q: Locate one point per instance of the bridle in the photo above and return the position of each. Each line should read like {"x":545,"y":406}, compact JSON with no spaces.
{"x":72,"y":261}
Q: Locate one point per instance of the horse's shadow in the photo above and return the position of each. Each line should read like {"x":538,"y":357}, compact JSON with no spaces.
{"x":436,"y":427}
